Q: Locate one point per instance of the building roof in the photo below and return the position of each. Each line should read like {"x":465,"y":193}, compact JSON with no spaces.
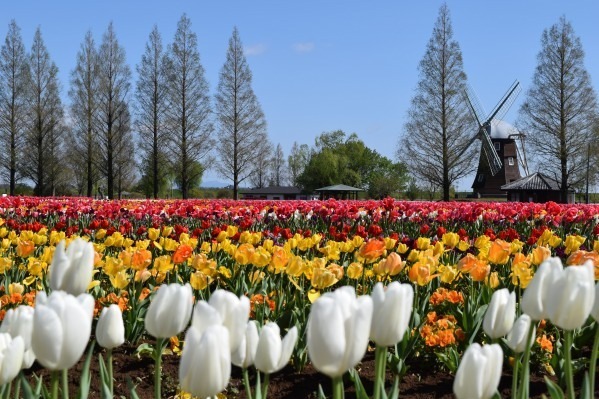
{"x":339,"y":187}
{"x":536,"y":181}
{"x":285,"y":190}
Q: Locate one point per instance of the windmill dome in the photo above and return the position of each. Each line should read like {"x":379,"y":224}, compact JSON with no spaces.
{"x":501,"y":129}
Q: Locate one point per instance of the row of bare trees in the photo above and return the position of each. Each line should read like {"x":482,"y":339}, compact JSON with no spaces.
{"x":164,"y":128}
{"x":559,"y":114}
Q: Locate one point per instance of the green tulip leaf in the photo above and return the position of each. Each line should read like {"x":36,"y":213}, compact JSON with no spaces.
{"x":554,"y":390}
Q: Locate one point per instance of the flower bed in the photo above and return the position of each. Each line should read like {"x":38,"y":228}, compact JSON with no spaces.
{"x":284,"y":255}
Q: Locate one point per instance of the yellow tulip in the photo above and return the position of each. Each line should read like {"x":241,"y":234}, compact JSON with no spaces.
{"x":447,"y":273}
{"x":423,"y":243}
{"x":260,"y":257}
{"x":279,"y":259}
{"x":153,"y":234}
{"x":120,"y":280}
{"x":167,"y":231}
{"x":355,"y":270}
{"x":5,"y":264}
{"x":199,"y":280}
{"x":113,"y":265}
{"x":162,"y":264}
{"x":295,"y":266}
{"x":573,"y":243}
{"x":463,"y":246}
{"x":231,"y":230}
{"x":402,"y":248}
{"x":323,"y":278}
{"x":244,"y":253}
{"x":450,"y":240}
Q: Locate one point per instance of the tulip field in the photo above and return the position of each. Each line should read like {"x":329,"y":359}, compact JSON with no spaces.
{"x":488,"y":293}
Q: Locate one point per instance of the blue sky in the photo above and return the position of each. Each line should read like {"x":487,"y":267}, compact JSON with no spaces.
{"x":324,"y":65}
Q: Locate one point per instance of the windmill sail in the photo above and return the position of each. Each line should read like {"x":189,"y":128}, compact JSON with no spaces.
{"x":491,"y":155}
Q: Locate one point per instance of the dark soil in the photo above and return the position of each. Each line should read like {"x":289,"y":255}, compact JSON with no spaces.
{"x":419,"y":382}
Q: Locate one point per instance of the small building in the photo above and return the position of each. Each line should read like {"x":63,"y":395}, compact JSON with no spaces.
{"x":339,"y":191}
{"x":536,"y":188}
{"x":275,"y":193}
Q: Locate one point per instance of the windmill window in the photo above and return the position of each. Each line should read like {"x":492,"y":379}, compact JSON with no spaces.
{"x":510,"y":161}
{"x":481,"y":177}
{"x":498,"y":146}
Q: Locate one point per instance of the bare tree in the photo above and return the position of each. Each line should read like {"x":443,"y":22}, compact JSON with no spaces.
{"x":151,"y":107}
{"x":14,"y":78}
{"x":560,"y":110}
{"x":45,"y":117}
{"x":297,"y":161}
{"x":190,"y":120}
{"x":241,"y":123}
{"x":124,"y":165}
{"x":113,"y":90}
{"x":277,"y":167}
{"x":84,"y":108}
{"x":261,"y":165}
{"x":439,"y":122}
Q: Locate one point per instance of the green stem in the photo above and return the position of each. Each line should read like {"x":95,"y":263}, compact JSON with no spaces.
{"x":18,"y":389}
{"x":246,"y":382}
{"x":265,"y":385}
{"x":110,"y":371}
{"x":158,"y":368}
{"x":594,"y":354}
{"x":515,"y":376}
{"x":568,"y":337}
{"x":65,"y":384}
{"x":523,"y":388}
{"x":380,"y":365}
{"x":54,"y":384}
{"x":338,"y":389}
{"x":5,"y":390}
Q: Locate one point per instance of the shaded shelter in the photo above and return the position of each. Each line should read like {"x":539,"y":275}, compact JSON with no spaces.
{"x":339,"y":191}
{"x":536,"y":187}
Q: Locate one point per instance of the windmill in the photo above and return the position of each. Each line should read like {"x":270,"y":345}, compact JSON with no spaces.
{"x":498,"y":162}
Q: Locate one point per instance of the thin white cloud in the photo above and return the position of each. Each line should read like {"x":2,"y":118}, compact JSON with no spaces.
{"x":256,"y":49}
{"x":305,"y":47}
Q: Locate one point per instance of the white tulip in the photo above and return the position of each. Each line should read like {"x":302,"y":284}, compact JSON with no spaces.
{"x":516,"y":338}
{"x":595,"y":310}
{"x":500,"y":314}
{"x":392,"y":308}
{"x":11,"y":357}
{"x":479,"y":372}
{"x":61,"y":328}
{"x":205,"y":366}
{"x":72,"y":270}
{"x":110,"y":330}
{"x":536,"y":294}
{"x":19,"y":322}
{"x":572,"y":296}
{"x":246,"y":352}
{"x":234,"y":313}
{"x":338,"y":330}
{"x":273,"y":353}
{"x":169,"y":311}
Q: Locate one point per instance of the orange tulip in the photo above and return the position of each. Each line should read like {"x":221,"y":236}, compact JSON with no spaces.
{"x":182,"y":253}
{"x":141,"y":259}
{"x":25,"y":248}
{"x":372,"y":249}
{"x":478,"y":269}
{"x":499,"y":253}
{"x":539,"y":254}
